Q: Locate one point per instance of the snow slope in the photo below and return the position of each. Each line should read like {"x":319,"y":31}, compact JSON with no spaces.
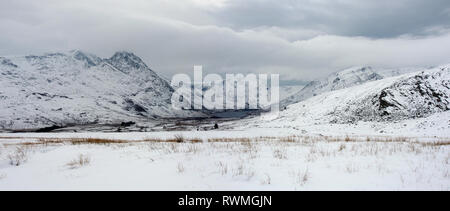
{"x":339,"y":80}
{"x":288,"y":91}
{"x":414,"y":102}
{"x":80,"y":88}
{"x":409,"y":97}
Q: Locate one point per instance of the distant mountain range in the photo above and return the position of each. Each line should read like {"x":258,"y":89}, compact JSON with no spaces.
{"x":78,"y":88}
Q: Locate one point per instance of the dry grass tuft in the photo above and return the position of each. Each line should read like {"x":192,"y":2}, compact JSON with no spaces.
{"x":280,"y":153}
{"x":80,"y":161}
{"x":300,"y":176}
{"x":223,"y":168}
{"x":243,"y":171}
{"x":341,"y":147}
{"x":180,"y":168}
{"x":351,"y":168}
{"x":179,"y":138}
{"x":18,"y":157}
{"x":192,"y":148}
{"x":347,"y":139}
{"x":266,"y":180}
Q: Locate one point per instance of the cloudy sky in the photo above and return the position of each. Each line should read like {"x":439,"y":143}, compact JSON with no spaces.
{"x":301,"y":40}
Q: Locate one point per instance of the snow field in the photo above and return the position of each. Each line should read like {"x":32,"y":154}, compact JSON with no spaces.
{"x":256,"y":163}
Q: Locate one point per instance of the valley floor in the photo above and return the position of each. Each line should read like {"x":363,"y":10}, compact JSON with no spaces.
{"x":222,"y":160}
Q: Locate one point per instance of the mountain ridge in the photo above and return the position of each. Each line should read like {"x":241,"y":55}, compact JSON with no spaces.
{"x":337,"y":80}
{"x":76,"y":87}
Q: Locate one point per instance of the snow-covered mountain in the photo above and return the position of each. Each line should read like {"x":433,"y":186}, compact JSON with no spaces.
{"x":80,"y":88}
{"x":339,"y":80}
{"x":410,"y":98}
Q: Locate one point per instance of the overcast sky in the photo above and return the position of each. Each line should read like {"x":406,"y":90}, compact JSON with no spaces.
{"x":301,"y":40}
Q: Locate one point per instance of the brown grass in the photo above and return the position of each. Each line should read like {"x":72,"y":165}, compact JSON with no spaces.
{"x":436,"y":143}
{"x":288,"y":139}
{"x":304,"y":140}
{"x":78,"y":141}
{"x":230,"y":139}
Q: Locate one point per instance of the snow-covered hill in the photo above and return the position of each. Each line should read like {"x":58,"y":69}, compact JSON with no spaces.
{"x":417,"y":98}
{"x":339,"y":80}
{"x":408,"y":97}
{"x":289,"y":90}
{"x":80,"y":88}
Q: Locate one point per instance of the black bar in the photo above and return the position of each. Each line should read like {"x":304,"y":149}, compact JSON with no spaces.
{"x":252,"y":200}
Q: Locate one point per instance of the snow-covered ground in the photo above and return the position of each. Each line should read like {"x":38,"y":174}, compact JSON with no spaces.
{"x":224,"y":160}
{"x":355,"y":130}
{"x":436,"y":125}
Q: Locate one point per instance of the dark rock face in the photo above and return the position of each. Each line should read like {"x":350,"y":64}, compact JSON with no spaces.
{"x":90,"y":60}
{"x":127,"y":124}
{"x":125,"y":61}
{"x":47,"y":129}
{"x":132,"y":106}
{"x":7,"y":62}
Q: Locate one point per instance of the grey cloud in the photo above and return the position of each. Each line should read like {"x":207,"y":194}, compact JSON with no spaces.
{"x":171,"y":42}
{"x":377,"y":19}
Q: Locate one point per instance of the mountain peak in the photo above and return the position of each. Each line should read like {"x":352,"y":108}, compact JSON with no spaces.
{"x":127,"y":59}
{"x":356,"y":69}
{"x":89,"y":59}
